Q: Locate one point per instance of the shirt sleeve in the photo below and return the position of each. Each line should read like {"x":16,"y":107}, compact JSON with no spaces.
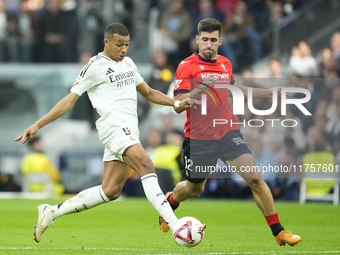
{"x":183,"y":75}
{"x":85,"y":79}
{"x":232,"y":80}
{"x":138,"y":78}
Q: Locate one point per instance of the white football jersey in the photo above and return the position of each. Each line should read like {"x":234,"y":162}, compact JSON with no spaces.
{"x":111,"y":87}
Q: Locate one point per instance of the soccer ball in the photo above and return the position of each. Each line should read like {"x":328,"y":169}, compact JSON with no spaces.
{"x":188,"y":232}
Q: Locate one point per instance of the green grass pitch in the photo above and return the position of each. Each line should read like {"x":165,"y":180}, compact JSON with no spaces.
{"x":130,"y":226}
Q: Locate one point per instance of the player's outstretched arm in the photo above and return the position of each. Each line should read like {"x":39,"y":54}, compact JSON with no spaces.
{"x":257,"y":92}
{"x":260,"y":93}
{"x":62,"y":107}
{"x":158,"y":97}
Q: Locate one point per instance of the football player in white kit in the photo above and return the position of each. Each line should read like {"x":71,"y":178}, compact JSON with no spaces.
{"x":111,"y":80}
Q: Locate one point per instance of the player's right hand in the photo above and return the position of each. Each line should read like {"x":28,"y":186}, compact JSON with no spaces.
{"x":29,"y":133}
{"x":189,"y":103}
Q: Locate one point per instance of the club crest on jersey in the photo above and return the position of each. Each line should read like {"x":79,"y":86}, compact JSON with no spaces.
{"x":132,"y":139}
{"x":224,"y":67}
{"x":127,"y":63}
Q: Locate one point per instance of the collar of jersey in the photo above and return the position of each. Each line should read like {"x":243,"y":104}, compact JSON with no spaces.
{"x":101,"y":55}
{"x":204,"y":59}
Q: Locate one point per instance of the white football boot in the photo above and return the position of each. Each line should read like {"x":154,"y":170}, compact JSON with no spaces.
{"x":45,"y":219}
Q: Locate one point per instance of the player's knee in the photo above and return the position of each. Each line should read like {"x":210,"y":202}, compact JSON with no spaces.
{"x":195,"y":193}
{"x":255,"y":183}
{"x":112,"y":193}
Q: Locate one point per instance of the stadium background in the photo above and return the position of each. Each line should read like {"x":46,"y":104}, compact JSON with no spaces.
{"x":263,"y":42}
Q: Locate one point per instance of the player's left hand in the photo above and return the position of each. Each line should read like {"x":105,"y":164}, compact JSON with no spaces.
{"x":189,"y":103}
{"x":29,"y":133}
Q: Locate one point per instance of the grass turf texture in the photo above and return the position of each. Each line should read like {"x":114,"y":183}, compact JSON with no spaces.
{"x":130,"y":226}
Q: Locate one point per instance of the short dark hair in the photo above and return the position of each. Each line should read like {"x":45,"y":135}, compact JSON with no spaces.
{"x":209,"y":25}
{"x":116,"y":28}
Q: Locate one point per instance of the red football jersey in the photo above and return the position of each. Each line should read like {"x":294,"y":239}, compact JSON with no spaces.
{"x":189,"y":74}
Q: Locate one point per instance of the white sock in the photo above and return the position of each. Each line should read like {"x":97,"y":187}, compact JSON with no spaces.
{"x":156,"y":197}
{"x":86,"y":199}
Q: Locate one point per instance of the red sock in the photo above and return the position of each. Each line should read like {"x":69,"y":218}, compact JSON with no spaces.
{"x":172,"y":200}
{"x":272,"y":219}
{"x":274,"y":224}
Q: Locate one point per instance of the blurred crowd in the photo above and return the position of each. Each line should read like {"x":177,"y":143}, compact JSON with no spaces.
{"x":72,"y":30}
{"x":57,"y":31}
{"x":247,"y":26}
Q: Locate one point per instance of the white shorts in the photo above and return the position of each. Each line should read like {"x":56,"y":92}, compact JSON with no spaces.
{"x":117,"y":140}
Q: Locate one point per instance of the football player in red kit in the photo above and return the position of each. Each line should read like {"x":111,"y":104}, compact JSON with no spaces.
{"x":206,"y":142}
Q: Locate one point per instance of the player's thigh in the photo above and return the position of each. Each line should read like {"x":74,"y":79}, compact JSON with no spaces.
{"x":117,"y":140}
{"x":232,"y":146}
{"x":199,"y":156}
{"x":115,"y":176}
{"x":245,"y":166}
{"x":136,"y":157}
